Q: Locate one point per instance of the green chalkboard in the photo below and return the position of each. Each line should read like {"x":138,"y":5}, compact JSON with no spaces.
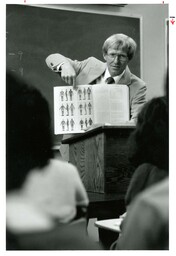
{"x":32,"y":33}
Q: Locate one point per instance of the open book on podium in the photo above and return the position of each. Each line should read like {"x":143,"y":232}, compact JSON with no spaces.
{"x":76,"y":110}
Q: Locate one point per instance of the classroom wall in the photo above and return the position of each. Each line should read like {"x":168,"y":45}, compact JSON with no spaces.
{"x":153,"y":38}
{"x":153,"y":44}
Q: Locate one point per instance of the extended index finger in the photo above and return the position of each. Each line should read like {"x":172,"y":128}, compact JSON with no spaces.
{"x":74,"y":83}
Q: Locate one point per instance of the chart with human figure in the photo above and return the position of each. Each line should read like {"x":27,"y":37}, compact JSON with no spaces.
{"x":72,"y":109}
{"x":75,"y":110}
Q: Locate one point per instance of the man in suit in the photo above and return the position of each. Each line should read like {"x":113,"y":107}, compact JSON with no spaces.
{"x":118,"y":50}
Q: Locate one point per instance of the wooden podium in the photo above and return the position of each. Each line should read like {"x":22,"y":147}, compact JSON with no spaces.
{"x":100,"y":155}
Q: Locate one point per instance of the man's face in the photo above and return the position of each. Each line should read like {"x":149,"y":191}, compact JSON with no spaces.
{"x":116,"y":60}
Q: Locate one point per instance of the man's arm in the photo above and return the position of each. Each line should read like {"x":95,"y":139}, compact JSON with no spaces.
{"x":55,"y":60}
{"x":68,"y":69}
{"x":64,"y":66}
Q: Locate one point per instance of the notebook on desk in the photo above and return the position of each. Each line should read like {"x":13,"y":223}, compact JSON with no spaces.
{"x":110,"y":224}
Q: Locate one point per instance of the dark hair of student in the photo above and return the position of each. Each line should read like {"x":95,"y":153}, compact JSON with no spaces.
{"x":28,"y":134}
{"x":149,"y":141}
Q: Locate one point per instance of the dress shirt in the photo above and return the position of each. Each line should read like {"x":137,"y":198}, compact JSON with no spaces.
{"x":102,"y":79}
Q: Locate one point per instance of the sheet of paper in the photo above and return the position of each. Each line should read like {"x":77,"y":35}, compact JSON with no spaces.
{"x":111,"y":103}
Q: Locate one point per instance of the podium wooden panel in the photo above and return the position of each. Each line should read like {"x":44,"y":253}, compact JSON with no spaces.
{"x":101,"y":158}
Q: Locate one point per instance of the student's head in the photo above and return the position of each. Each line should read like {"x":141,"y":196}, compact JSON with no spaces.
{"x":28,"y":139}
{"x":118,"y":50}
{"x":149,"y":142}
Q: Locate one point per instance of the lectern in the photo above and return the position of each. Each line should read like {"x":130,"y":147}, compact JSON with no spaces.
{"x":100,"y":155}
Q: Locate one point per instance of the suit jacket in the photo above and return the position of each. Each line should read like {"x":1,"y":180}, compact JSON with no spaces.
{"x":89,"y":70}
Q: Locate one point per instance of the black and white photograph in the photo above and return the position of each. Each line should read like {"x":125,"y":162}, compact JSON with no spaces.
{"x":88,"y":135}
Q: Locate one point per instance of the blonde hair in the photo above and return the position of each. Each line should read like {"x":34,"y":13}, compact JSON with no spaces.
{"x":120,"y":41}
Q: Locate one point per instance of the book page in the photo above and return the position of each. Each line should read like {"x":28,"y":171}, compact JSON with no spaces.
{"x":111,"y":103}
{"x":73,"y":109}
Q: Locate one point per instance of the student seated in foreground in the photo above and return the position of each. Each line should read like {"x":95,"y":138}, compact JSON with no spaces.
{"x":149,"y":147}
{"x":42,"y":193}
{"x":149,"y":154}
{"x":146,"y":225}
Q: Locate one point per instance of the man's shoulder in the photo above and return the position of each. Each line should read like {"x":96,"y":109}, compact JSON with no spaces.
{"x":90,"y":70}
{"x":132,"y":80}
{"x":93,"y":60}
{"x":135,"y":79}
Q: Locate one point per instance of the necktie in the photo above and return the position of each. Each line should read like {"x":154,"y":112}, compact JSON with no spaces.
{"x":110,"y":80}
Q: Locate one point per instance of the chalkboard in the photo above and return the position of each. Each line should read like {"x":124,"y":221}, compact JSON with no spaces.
{"x":33,"y":33}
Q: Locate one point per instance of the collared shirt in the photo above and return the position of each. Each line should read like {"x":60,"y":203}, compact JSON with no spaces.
{"x":105,"y":75}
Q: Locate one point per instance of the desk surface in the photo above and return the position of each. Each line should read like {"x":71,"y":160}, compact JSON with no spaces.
{"x":110,"y":224}
{"x":105,"y":206}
